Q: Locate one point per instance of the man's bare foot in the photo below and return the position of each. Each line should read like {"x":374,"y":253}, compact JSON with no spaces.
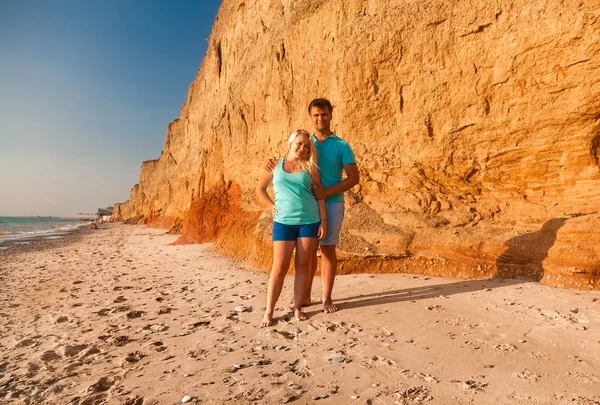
{"x":329,"y":307}
{"x":267,"y":321}
{"x":299,"y":314}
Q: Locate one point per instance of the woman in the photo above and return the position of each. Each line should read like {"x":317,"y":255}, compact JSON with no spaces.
{"x":300,"y":220}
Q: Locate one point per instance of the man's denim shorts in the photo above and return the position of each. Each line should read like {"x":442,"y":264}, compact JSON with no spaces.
{"x":282,"y":232}
{"x":335,"y":215}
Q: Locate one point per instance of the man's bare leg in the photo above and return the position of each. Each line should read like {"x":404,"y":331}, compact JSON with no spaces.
{"x":328,"y":268}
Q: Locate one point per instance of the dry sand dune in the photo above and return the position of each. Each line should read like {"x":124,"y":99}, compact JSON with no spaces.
{"x":119,"y":316}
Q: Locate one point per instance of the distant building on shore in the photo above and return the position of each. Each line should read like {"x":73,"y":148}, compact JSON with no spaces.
{"x":104,"y":213}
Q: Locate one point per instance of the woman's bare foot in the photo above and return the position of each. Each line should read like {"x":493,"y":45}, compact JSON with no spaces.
{"x":299,"y":314}
{"x":329,"y":307}
{"x":267,"y":320}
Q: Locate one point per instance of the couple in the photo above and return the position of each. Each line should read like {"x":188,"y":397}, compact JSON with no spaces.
{"x":308,"y":207}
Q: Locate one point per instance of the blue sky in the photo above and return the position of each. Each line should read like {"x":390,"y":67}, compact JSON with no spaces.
{"x":87,"y":89}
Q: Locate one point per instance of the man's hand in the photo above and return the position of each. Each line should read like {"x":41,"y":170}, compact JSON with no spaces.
{"x":270,"y":165}
{"x":319,"y":192}
{"x":322,"y":230}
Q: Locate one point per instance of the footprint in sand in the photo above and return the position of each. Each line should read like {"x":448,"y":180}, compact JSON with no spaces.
{"x":156,"y":327}
{"x":415,"y":394}
{"x":62,"y":319}
{"x":134,"y":357}
{"x":26,"y":343}
{"x":120,"y":340}
{"x":102,"y":385}
{"x":134,"y":401}
{"x":72,"y":350}
{"x":583,"y":377}
{"x":474,"y":385}
{"x":133,"y":314}
{"x":32,"y":369}
{"x":528,"y":376}
{"x":506,"y":347}
{"x":158,"y":346}
{"x":91,"y":351}
{"x":50,"y":356}
{"x":165,"y":310}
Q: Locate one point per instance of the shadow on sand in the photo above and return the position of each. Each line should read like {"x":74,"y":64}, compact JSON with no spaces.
{"x":422,"y":292}
{"x":520,"y":263}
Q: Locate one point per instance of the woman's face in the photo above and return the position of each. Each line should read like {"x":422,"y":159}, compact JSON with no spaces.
{"x":300,"y":146}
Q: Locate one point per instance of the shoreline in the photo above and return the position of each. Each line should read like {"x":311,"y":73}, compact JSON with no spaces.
{"x":119,"y":315}
{"x":49,"y":240}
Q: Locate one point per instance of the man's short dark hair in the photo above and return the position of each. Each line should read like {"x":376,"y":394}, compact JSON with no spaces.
{"x":321,"y":103}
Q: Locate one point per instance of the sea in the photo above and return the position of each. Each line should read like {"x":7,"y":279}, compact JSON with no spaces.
{"x":21,"y":230}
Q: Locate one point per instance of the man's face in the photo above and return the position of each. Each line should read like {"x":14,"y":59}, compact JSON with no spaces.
{"x":321,"y":118}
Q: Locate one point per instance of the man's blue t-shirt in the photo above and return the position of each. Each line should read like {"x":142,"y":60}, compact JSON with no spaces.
{"x":333,"y":154}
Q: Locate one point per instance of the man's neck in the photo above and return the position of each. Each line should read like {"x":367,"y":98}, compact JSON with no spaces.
{"x":322,"y":135}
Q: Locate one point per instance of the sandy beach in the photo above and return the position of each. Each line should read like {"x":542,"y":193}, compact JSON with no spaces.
{"x":119,"y":316}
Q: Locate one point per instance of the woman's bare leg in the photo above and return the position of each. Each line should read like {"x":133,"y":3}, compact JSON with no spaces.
{"x":305,"y":248}
{"x":282,"y":254}
{"x":306,"y":295}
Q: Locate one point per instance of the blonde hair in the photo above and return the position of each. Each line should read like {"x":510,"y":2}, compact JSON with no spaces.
{"x":308,"y":163}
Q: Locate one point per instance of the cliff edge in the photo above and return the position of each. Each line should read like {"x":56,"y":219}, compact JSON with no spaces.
{"x":476,"y":127}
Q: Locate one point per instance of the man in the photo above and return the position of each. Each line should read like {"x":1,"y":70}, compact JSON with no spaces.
{"x":335,"y":157}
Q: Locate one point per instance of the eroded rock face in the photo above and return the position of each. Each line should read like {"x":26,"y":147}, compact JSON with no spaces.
{"x":475,"y":126}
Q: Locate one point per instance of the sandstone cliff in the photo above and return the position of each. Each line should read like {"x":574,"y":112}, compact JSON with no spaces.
{"x":475,"y":125}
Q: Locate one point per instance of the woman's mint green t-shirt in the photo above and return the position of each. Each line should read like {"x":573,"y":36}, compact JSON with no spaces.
{"x":294,"y":200}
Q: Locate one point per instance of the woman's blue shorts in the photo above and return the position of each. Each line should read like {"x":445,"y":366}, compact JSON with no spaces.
{"x":282,"y":232}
